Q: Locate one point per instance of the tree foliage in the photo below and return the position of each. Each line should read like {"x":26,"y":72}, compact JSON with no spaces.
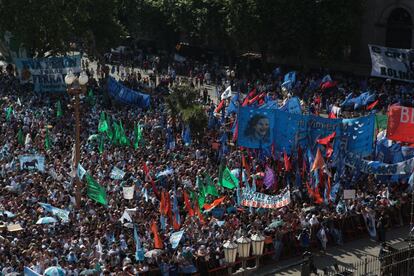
{"x":320,"y":28}
{"x":182,"y":104}
{"x":51,"y":25}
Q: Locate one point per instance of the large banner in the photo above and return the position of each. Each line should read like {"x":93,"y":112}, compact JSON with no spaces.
{"x":392,"y":63}
{"x":401,"y":124}
{"x":263,"y":127}
{"x":379,"y":168}
{"x":255,"y":127}
{"x":125,"y":95}
{"x":260,"y":200}
{"x":32,"y":162}
{"x":47,"y":74}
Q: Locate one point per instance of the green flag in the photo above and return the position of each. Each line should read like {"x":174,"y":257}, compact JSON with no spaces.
{"x":228,"y":180}
{"x":103,"y":125}
{"x":123,"y":138}
{"x":9,"y":112}
{"x":101,"y":146}
{"x":210,"y":188}
{"x":48,"y":144}
{"x":138,"y":135}
{"x":381,"y":122}
{"x":59,"y":111}
{"x":95,"y":191}
{"x":91,"y":97}
{"x":109,"y":132}
{"x":20,"y":138}
{"x":116,"y":133}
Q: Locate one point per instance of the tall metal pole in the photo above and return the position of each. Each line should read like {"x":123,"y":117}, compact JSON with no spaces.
{"x":77,"y":149}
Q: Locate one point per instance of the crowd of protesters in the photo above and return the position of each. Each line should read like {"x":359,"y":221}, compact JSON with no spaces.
{"x":96,"y":239}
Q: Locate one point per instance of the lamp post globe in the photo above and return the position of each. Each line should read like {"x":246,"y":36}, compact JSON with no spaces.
{"x":230,"y":251}
{"x":69,"y":78}
{"x":243,"y":247}
{"x":257,"y":244}
{"x":83,"y":78}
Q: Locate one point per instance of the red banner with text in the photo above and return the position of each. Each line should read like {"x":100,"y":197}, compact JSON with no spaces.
{"x":401,"y":124}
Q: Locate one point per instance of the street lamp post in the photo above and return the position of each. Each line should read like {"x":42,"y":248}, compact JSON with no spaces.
{"x":76,"y":86}
{"x":242,"y":247}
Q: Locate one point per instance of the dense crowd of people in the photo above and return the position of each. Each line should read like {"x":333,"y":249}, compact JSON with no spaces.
{"x":100,"y":239}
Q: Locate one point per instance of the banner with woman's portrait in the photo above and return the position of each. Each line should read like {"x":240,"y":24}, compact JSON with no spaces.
{"x":255,"y":128}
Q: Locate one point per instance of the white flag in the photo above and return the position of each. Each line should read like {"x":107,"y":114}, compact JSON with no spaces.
{"x":227,"y":93}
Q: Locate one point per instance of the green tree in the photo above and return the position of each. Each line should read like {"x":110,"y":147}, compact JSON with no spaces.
{"x":51,"y":25}
{"x":182,"y":104}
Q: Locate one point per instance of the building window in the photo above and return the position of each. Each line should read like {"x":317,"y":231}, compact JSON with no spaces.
{"x":399,"y":29}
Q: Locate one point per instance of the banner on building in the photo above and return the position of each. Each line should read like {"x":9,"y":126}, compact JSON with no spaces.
{"x":125,"y":95}
{"x":260,"y":200}
{"x":401,"y":124}
{"x":47,"y":74}
{"x":392,"y":63}
{"x":32,"y":162}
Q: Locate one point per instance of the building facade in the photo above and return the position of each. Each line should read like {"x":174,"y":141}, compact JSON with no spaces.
{"x":387,"y":23}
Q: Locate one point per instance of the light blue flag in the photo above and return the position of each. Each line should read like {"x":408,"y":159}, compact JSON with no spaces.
{"x":117,"y":174}
{"x":175,"y":238}
{"x":139,"y":252}
{"x":162,"y":222}
{"x":62,"y":214}
{"x":81,"y":171}
{"x":411,"y":181}
{"x":30,"y":272}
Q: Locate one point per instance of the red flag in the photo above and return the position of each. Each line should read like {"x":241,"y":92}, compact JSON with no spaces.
{"x":371,"y":106}
{"x":329,"y":84}
{"x":328,"y":189}
{"x":219,"y":107}
{"x":252,"y":101}
{"x":236,"y":132}
{"x":332,"y":115}
{"x":148,"y":178}
{"x":162,"y":204}
{"x":252,"y":93}
{"x":245,"y":166}
{"x":288,"y":166}
{"x":214,"y":204}
{"x":187,"y":205}
{"x":245,"y":101}
{"x":310,"y":191}
{"x":401,"y":124}
{"x":326,"y":140}
{"x":317,"y":196}
{"x":158,"y":244}
{"x":318,"y":163}
{"x":197,"y":211}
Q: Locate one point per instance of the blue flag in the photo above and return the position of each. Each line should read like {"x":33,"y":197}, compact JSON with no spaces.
{"x":175,"y":238}
{"x":139,"y":252}
{"x":187,"y":136}
{"x":30,"y":272}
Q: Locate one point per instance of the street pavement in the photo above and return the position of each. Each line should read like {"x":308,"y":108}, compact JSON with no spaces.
{"x":349,"y":253}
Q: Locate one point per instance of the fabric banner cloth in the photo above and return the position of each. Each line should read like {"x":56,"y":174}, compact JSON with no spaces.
{"x":401,"y":124}
{"x":255,"y":127}
{"x":32,"y":162}
{"x":381,"y":121}
{"x":47,"y":74}
{"x":125,"y":95}
{"x":379,"y":168}
{"x":117,"y":174}
{"x":292,"y":130}
{"x":292,"y":105}
{"x":128,"y":192}
{"x":260,"y":200}
{"x":175,"y":238}
{"x":62,"y":214}
{"x":392,"y":63}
